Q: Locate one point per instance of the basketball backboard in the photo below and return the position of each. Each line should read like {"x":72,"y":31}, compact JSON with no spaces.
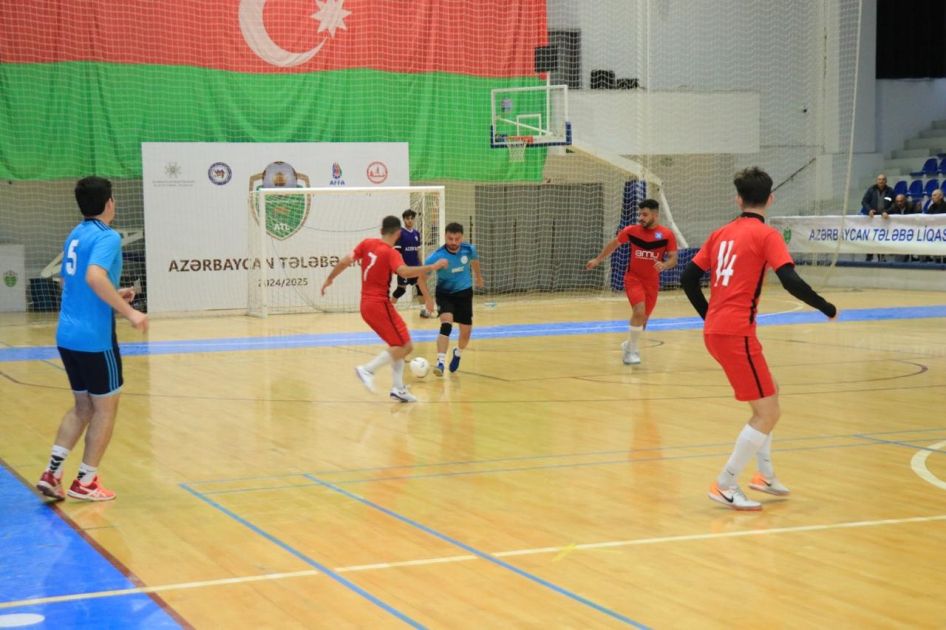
{"x":536,"y":114}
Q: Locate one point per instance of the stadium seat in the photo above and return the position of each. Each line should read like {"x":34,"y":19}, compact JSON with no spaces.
{"x":930,"y":167}
{"x":931,"y":185}
{"x":900,"y":188}
{"x":916,"y":189}
{"x":942,"y":167}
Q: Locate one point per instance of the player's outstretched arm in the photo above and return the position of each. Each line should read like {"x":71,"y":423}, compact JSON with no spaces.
{"x":413,"y":272}
{"x":612,"y":245}
{"x":339,"y":267}
{"x":800,"y":289}
{"x":97,"y":278}
{"x":690,"y":281}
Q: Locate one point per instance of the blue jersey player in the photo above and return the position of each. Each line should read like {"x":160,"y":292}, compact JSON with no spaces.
{"x":454,"y":293}
{"x":91,"y":267}
{"x":409,"y":244}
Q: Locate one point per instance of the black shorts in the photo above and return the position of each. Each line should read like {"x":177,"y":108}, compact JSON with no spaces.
{"x":97,"y":373}
{"x":460,"y":304}
{"x":403,"y":282}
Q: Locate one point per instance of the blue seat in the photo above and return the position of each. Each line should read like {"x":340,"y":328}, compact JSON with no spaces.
{"x":900,"y":188}
{"x":916,"y":189}
{"x":930,"y":167}
{"x":931,"y":185}
{"x":942,"y":167}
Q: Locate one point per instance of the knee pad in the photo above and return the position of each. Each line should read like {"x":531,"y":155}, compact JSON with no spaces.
{"x":445,"y":328}
{"x":398,"y":292}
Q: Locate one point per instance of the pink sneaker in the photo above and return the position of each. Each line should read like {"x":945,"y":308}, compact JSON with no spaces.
{"x":92,"y":492}
{"x":50,"y":485}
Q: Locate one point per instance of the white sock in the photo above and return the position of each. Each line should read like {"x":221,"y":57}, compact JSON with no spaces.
{"x":86,"y":473}
{"x":747,"y":444}
{"x":56,"y":458}
{"x":442,"y":356}
{"x":764,"y":458}
{"x":634,"y":333}
{"x":457,"y":351}
{"x":381,"y":360}
{"x":397,"y":369}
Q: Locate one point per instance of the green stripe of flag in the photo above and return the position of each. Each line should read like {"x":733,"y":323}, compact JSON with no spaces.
{"x":63,"y":120}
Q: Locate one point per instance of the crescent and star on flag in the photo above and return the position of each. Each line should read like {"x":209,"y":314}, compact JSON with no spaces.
{"x":331,"y":16}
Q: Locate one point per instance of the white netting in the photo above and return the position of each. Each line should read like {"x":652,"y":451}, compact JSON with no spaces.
{"x":666,"y":99}
{"x":290,"y":272}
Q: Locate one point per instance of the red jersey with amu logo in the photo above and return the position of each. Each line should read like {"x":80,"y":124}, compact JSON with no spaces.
{"x":647,"y":247}
{"x":737,"y":255}
{"x":379,"y":261}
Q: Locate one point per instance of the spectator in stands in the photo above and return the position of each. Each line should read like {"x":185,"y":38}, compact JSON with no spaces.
{"x":900,"y":206}
{"x":878,"y":197}
{"x":936,"y":205}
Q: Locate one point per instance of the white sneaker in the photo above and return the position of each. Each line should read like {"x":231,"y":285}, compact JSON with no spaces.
{"x":733,"y":498}
{"x":630,"y":357}
{"x":366,"y":377}
{"x":403,"y":394}
{"x":769,"y":486}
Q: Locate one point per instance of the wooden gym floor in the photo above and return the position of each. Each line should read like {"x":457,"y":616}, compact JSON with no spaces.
{"x":545,"y":484}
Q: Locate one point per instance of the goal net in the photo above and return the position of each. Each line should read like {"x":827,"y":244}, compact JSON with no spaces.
{"x":666,"y":99}
{"x":288,"y":267}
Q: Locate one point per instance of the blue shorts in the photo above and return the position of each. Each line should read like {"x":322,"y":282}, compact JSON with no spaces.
{"x":95,"y":373}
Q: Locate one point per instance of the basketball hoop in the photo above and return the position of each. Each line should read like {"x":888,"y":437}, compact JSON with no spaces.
{"x":517,"y":147}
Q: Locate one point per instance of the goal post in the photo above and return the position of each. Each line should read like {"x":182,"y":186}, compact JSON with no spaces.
{"x":297,"y":235}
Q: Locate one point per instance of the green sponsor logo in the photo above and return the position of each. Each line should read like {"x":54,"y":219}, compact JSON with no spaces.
{"x":787,"y":235}
{"x":10,"y":278}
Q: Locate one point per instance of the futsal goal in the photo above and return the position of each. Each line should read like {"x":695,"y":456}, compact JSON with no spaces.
{"x":288,"y":264}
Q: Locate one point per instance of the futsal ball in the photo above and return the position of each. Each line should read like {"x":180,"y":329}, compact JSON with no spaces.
{"x":419,"y":367}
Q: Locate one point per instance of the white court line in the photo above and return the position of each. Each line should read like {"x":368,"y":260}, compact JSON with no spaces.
{"x":918,"y":464}
{"x":467,"y":557}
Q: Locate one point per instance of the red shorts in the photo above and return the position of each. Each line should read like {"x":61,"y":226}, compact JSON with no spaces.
{"x":745,"y":367}
{"x":384,"y":320}
{"x":638,"y":291}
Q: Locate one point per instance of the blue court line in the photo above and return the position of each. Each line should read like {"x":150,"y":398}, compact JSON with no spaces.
{"x":905,"y":444}
{"x":515,"y":458}
{"x":482,"y":554}
{"x":553,"y":329}
{"x":41,"y":555}
{"x":311,"y":562}
{"x":493,"y":471}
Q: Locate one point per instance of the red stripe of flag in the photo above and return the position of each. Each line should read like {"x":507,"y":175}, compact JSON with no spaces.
{"x":473,"y":37}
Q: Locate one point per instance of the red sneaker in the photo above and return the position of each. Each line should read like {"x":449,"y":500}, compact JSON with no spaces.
{"x":92,"y":492}
{"x":51,"y":485}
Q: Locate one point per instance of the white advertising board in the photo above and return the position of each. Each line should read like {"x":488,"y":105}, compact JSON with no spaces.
{"x":919,"y":234}
{"x":12,"y":278}
{"x":198,"y":216}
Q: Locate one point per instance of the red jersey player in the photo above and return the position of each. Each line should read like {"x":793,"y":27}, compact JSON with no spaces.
{"x":737,"y":256}
{"x":649,"y":242}
{"x":379,"y":260}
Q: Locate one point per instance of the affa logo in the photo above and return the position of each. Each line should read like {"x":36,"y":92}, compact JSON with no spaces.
{"x":377,"y":172}
{"x":336,"y":175}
